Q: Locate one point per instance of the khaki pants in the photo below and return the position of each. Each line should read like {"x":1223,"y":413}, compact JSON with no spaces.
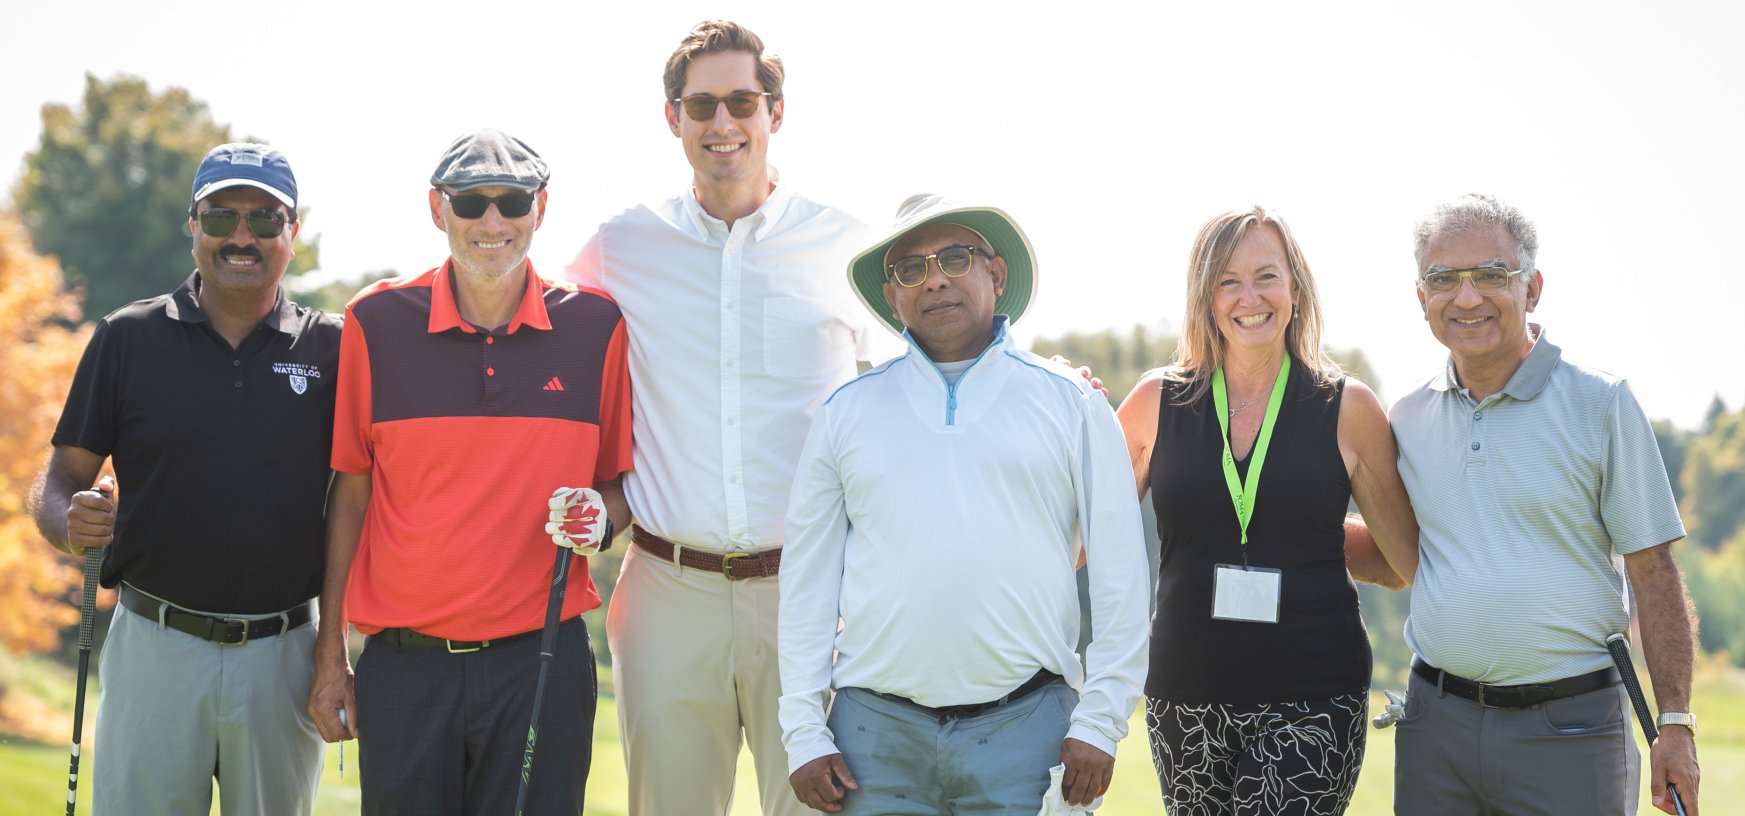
{"x":694,"y":668}
{"x":177,"y":711}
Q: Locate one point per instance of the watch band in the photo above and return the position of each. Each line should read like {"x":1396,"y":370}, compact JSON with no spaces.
{"x":1684,"y":718}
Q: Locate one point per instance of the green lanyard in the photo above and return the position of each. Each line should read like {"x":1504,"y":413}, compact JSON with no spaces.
{"x":1242,"y":495}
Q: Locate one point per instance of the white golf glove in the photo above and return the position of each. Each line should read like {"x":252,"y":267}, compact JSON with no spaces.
{"x":578,"y":520}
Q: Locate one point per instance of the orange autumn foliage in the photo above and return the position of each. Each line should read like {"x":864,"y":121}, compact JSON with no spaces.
{"x":40,"y":346}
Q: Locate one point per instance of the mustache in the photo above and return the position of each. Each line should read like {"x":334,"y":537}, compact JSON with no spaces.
{"x":233,"y":249}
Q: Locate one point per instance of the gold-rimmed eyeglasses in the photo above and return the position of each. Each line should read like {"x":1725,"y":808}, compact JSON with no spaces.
{"x":954,"y":261}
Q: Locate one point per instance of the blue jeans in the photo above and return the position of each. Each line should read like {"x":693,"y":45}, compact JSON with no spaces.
{"x":910,"y":763}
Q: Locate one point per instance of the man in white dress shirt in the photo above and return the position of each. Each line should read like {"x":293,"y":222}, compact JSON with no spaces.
{"x":942,"y":501}
{"x":739,"y":327}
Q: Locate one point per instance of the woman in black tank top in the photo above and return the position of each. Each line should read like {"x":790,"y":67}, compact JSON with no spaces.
{"x":1260,"y":664}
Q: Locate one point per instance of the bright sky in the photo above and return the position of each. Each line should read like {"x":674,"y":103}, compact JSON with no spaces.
{"x":1111,"y":133}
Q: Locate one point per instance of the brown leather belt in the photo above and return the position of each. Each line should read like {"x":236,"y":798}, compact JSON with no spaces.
{"x":733,"y":566}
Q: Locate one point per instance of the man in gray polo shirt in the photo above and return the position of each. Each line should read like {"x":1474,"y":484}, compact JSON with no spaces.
{"x":1538,"y":487}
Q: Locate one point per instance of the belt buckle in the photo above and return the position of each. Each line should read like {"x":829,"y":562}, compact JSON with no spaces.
{"x":241,"y":627}
{"x":478,"y":644}
{"x":727,"y":560}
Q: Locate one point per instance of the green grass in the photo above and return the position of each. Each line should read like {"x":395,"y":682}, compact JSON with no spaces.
{"x":33,"y":777}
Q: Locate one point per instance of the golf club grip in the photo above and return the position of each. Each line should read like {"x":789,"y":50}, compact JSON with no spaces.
{"x":560,"y":578}
{"x":1620,"y":650}
{"x":88,"y":603}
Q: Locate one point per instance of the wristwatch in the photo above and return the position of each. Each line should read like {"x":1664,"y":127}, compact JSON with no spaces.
{"x":1683,"y":718}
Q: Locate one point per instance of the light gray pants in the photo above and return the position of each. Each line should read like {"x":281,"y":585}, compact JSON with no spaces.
{"x":1570,"y":755}
{"x":908,"y":763}
{"x":176,"y":712}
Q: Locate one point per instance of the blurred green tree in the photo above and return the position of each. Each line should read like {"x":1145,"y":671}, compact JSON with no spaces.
{"x":106,"y":190}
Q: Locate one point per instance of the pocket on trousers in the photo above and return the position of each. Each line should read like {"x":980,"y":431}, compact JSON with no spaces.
{"x":1584,"y":713}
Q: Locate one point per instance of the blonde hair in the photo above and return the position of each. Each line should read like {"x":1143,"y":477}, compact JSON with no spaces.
{"x":1200,"y":350}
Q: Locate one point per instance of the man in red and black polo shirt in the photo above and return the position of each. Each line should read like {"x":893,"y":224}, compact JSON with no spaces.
{"x":468,"y":394}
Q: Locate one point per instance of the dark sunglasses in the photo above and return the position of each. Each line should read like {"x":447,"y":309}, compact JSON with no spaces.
{"x":473,"y":205}
{"x":220,"y":222}
{"x":701,"y":107}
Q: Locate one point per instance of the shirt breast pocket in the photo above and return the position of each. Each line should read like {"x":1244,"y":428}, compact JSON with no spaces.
{"x":801,"y":338}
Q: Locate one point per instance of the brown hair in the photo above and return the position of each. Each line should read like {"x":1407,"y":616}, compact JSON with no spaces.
{"x":719,"y":36}
{"x":1201,"y":348}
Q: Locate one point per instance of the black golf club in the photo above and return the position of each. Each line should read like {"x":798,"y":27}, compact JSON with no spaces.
{"x":547,"y":647}
{"x":87,"y":620}
{"x":1620,"y":649}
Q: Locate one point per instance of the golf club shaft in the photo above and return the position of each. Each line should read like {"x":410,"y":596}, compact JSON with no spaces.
{"x":1620,"y":649}
{"x":87,"y":620}
{"x":560,"y":574}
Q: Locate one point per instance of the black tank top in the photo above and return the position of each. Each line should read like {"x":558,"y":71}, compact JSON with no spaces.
{"x":1319,"y":648}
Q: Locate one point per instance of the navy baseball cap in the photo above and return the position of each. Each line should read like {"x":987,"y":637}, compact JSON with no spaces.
{"x":246,"y":164}
{"x":489,"y":158}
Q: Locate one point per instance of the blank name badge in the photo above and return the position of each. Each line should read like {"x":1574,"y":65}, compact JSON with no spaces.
{"x":1245,"y":593}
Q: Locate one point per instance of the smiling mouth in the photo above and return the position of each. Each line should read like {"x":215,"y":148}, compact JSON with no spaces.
{"x":239,"y":257}
{"x":723,"y":148}
{"x":1469,"y":321}
{"x":491,"y":244}
{"x":1251,"y":321}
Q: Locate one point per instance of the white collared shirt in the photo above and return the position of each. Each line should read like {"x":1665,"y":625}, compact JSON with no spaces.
{"x":942,"y":524}
{"x":736,"y":337}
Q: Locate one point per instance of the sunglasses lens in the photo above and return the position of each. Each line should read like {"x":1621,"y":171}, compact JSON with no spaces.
{"x":515,"y":205}
{"x":742,"y":105}
{"x":218,"y":223}
{"x":471,"y":205}
{"x":266,"y":223}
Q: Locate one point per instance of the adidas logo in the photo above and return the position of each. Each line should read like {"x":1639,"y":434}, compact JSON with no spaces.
{"x":554,"y":385}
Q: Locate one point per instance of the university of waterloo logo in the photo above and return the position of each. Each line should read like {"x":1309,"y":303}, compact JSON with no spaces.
{"x":299,"y":373}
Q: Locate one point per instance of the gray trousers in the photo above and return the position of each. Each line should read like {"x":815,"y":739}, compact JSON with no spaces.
{"x":1570,"y":755}
{"x":177,"y":712}
{"x":911,"y":764}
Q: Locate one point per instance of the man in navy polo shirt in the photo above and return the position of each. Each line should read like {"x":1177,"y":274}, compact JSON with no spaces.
{"x":215,"y":403}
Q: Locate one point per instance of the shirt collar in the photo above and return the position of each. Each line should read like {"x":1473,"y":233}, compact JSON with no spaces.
{"x":184,"y":305}
{"x":1527,"y":381}
{"x":1001,"y":338}
{"x":708,"y":227}
{"x":445,"y":312}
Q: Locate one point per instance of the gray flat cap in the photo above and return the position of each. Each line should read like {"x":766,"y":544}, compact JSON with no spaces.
{"x":489,"y":158}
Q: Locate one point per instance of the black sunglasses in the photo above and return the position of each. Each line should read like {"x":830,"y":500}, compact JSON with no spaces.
{"x":220,"y":222}
{"x":473,"y":205}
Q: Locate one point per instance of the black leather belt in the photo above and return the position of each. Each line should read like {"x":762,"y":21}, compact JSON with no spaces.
{"x":218,"y":629}
{"x":960,"y":712}
{"x":1522,"y":696}
{"x":412,"y":639}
